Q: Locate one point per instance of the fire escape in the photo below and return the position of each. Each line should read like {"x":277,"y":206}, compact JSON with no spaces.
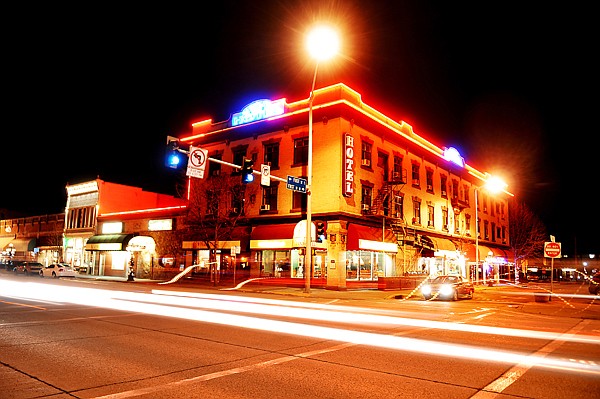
{"x":384,"y":205}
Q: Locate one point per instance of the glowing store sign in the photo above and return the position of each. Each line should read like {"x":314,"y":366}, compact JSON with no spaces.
{"x":451,"y":154}
{"x":348,"y":167}
{"x":257,"y":110}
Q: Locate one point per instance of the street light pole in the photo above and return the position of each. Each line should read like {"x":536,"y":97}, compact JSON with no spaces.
{"x":322,"y":44}
{"x":476,"y":235}
{"x":308,"y":254}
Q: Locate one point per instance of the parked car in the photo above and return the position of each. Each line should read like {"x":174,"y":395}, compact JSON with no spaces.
{"x":27,"y":268}
{"x":448,"y":287}
{"x":594,"y":287}
{"x":57,"y":270}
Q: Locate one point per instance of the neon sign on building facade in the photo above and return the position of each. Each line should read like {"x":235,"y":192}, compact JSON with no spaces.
{"x":348,"y":167}
{"x":257,"y":110}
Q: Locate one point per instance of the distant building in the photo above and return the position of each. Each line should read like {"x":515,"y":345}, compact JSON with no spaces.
{"x":111,"y":227}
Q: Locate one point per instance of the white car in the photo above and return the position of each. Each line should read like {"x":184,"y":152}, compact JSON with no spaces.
{"x":57,"y":270}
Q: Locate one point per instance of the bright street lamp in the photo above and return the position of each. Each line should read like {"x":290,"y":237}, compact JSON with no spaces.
{"x":494,"y":185}
{"x":322,"y":43}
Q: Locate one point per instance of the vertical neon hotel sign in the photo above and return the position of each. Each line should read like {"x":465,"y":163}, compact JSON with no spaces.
{"x":348,"y":167}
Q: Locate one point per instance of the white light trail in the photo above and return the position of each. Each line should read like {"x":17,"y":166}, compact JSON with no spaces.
{"x":141,"y":303}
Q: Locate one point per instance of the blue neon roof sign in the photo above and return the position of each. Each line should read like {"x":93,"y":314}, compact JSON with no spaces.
{"x":257,"y":110}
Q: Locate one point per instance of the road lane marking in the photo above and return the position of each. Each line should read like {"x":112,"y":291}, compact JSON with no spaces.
{"x":495,"y":388}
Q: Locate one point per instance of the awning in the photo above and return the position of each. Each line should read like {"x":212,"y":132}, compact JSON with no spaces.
{"x":370,"y":238}
{"x":484,"y":250}
{"x":273,"y":231}
{"x":443,"y":244}
{"x":285,"y":235}
{"x":108,"y":242}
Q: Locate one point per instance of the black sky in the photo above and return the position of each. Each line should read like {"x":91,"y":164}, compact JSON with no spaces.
{"x":95,"y":91}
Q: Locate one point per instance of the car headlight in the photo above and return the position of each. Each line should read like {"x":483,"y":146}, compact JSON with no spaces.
{"x":426,"y":289}
{"x":445,"y":289}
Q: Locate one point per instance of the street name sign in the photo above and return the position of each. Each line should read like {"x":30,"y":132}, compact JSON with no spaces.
{"x":296,"y":184}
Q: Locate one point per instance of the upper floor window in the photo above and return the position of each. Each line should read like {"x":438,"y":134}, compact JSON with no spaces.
{"x":269,"y":198}
{"x":298,"y":200}
{"x":397,"y":169}
{"x":272,"y":155}
{"x":445,"y":219}
{"x":468,"y":225}
{"x":398,"y":205}
{"x":444,"y":186}
{"x":366,"y":154}
{"x":415,"y":175}
{"x":454,"y":189}
{"x":301,"y":151}
{"x":430,"y":215}
{"x":238,"y":156}
{"x":429,"y":180}
{"x":214,"y":168}
{"x":416,"y":211}
{"x":367,"y":195}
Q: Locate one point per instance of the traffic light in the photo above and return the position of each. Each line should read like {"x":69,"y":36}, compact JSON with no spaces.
{"x":174,"y":159}
{"x":247,"y":172}
{"x":321,"y":231}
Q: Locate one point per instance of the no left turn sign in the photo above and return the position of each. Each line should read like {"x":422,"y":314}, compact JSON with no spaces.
{"x":552,"y":249}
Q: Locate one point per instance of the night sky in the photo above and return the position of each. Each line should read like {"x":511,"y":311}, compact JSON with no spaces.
{"x":93,"y":92}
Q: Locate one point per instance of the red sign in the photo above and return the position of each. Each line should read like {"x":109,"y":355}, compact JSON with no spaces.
{"x":552,"y":249}
{"x":348,"y":167}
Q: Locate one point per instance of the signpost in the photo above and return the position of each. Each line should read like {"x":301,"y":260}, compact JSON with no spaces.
{"x":552,"y":250}
{"x":296,"y":184}
{"x":265,"y":175}
{"x":197,"y":162}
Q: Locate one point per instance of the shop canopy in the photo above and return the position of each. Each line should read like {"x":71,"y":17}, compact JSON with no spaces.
{"x":108,"y":242}
{"x":371,"y":238}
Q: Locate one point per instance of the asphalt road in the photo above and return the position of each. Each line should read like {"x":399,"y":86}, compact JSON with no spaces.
{"x":112,"y":339}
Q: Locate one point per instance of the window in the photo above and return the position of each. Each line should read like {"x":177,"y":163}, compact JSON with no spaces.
{"x":367,"y":194}
{"x":397,"y":169}
{"x":429,"y":179}
{"x":416,"y":211}
{"x":444,"y":186}
{"x":454,"y":189}
{"x":465,"y":193}
{"x":269,"y":200}
{"x":366,"y":154}
{"x":301,"y":151}
{"x":468,"y":225}
{"x":238,"y":157}
{"x":486,"y":228}
{"x":398,"y":205}
{"x":416,"y":180}
{"x":430,"y":215}
{"x":298,"y":200}
{"x":445,"y":219}
{"x":272,"y":155}
{"x":493,"y":231}
{"x":214,"y":168}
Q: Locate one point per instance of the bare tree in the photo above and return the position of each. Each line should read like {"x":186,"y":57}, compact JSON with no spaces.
{"x":216,"y":211}
{"x":527,"y":233}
